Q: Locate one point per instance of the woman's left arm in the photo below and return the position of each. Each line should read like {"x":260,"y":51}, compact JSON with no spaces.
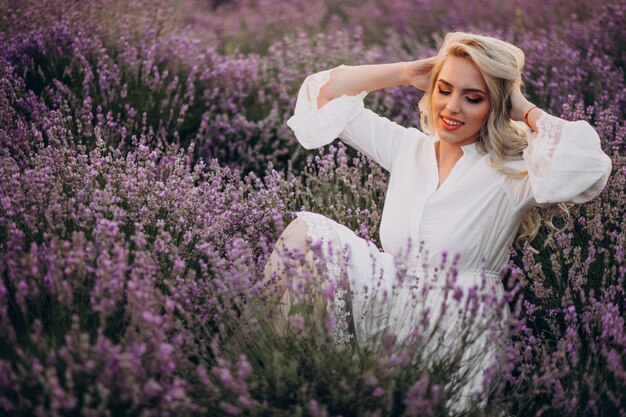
{"x":523,"y":110}
{"x":565,"y":160}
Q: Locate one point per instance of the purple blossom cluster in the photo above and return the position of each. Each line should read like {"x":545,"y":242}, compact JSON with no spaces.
{"x":146,"y":171}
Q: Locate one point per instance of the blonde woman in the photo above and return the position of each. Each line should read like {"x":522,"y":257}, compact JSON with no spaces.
{"x":466,"y":184}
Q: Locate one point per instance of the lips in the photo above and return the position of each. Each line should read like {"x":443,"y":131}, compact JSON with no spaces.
{"x":450,"y":123}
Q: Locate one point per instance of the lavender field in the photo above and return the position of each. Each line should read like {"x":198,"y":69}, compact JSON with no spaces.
{"x":146,"y":171}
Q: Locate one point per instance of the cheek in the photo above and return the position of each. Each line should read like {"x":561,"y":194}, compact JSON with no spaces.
{"x":480,"y":114}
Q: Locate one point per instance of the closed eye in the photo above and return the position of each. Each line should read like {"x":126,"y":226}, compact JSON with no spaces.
{"x":469,"y":99}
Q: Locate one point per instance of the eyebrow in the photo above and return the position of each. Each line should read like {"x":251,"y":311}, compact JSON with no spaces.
{"x":466,"y":90}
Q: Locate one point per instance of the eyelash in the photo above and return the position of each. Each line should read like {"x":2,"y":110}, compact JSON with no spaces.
{"x":470,"y":100}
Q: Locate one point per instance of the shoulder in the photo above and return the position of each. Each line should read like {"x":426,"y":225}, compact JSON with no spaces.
{"x":514,"y":165}
{"x":383,"y":125}
{"x":511,"y":171}
{"x":419,"y":137}
{"x":416,"y":141}
{"x":367,"y":112}
{"x":515,"y":182}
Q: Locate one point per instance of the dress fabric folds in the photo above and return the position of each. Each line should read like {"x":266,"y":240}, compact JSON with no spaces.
{"x":475,"y":213}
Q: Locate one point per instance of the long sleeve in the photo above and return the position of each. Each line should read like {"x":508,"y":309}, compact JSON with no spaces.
{"x":346,"y":118}
{"x":565,"y":163}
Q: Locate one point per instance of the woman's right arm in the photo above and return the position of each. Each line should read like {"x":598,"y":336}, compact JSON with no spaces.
{"x":351,"y":80}
{"x":340,"y":111}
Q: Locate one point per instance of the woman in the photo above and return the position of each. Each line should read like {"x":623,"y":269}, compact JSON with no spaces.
{"x":465,"y":185}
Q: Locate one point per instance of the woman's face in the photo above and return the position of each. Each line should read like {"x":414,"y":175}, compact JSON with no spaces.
{"x":460,"y":101}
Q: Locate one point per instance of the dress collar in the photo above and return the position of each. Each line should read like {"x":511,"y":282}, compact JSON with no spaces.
{"x":470,"y":149}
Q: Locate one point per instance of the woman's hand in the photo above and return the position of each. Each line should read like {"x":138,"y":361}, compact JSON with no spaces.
{"x":519,"y":104}
{"x":418,"y":72}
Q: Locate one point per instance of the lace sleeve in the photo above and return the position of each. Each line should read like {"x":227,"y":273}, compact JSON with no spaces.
{"x":543,"y":143}
{"x":565,"y":162}
{"x":315,"y":127}
{"x":314,"y":84}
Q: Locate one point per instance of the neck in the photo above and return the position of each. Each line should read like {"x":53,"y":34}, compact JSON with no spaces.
{"x":448,"y":151}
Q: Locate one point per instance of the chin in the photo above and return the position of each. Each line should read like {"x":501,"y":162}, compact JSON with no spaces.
{"x":448,"y":137}
{"x":452,"y":137}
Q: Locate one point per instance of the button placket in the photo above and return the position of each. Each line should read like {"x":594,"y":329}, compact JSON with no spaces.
{"x":433,"y":188}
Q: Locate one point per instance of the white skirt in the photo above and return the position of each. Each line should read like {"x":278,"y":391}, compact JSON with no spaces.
{"x":385,"y":300}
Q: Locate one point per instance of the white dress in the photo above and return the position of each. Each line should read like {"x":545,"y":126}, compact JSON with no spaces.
{"x":475,"y":213}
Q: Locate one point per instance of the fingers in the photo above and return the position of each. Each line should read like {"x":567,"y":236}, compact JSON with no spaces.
{"x":519,"y":103}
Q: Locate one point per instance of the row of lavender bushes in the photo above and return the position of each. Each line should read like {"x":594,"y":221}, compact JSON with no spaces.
{"x":147,"y":171}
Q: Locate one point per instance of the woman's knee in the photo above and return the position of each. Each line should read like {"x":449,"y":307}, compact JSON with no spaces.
{"x":295,"y":235}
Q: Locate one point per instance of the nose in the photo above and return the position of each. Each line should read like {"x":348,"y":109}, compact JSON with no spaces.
{"x":454,"y":104}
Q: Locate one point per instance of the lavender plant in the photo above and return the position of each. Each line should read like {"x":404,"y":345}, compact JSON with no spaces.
{"x":290,"y":365}
{"x":570,"y":353}
{"x":102,"y":268}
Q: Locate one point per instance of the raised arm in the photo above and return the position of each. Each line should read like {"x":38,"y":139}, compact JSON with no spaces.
{"x":564,"y":159}
{"x":330,"y":105}
{"x":523,"y":110}
{"x":352,"y":80}
{"x":355,"y":79}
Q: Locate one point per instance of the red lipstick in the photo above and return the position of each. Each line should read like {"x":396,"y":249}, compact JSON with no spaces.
{"x":450,"y":123}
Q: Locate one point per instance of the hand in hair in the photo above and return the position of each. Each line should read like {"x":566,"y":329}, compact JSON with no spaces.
{"x":418,"y":72}
{"x":520,"y":105}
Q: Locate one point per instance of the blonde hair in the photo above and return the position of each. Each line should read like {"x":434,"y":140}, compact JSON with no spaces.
{"x":504,"y":139}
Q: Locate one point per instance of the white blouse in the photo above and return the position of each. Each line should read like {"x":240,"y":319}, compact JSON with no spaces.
{"x":477,"y":211}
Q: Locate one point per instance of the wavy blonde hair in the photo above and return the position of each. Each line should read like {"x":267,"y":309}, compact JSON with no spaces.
{"x":504,"y":139}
